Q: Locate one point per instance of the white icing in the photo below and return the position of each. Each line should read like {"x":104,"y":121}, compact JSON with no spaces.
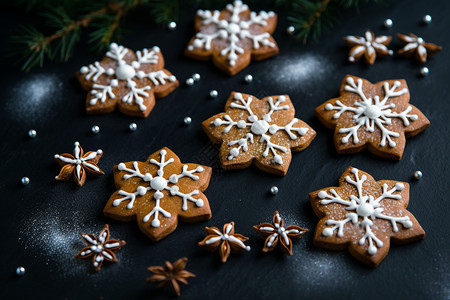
{"x":367,"y":44}
{"x":232,"y":31}
{"x":261,"y":128}
{"x":369,"y":112}
{"x":414,"y":44}
{"x":365,"y":209}
{"x":125,"y":72}
{"x":80,"y":161}
{"x":158,"y":184}
{"x":227,"y":237}
{"x":98,"y":245}
{"x":278,"y":231}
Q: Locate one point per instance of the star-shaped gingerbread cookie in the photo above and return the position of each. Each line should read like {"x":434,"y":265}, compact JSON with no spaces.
{"x":159,"y":192}
{"x":260,"y":131}
{"x":374,"y":116}
{"x":363,"y":216}
{"x":126,"y":80}
{"x":233,"y":37}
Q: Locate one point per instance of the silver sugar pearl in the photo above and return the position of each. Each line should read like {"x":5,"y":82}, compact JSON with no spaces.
{"x":427,"y":19}
{"x":187,"y":120}
{"x":274,"y":190}
{"x":424,"y":71}
{"x":196,"y":76}
{"x":388,"y":23}
{"x":172,"y":25}
{"x":25,"y":180}
{"x":213,"y":93}
{"x":248,"y":78}
{"x":290,"y":29}
{"x":95,"y":129}
{"x":20,"y":271}
{"x":190,"y":81}
{"x":32,"y":133}
{"x":132,"y":126}
{"x":418,"y":175}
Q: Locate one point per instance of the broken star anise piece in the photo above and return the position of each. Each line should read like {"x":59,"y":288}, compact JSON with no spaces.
{"x":276,"y":234}
{"x":227,"y":242}
{"x":169,"y":275}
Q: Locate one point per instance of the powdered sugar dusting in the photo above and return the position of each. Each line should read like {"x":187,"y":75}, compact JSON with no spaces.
{"x":34,"y":98}
{"x":300,"y":71}
{"x":54,"y":239}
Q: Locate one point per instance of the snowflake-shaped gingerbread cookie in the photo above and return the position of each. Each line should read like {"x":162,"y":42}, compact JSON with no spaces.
{"x":159,"y":192}
{"x":264,"y":131}
{"x":127,"y":80}
{"x":233,"y":37}
{"x":363,"y":215}
{"x":375,"y":116}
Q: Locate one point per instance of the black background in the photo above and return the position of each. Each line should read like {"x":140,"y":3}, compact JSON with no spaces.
{"x":40,"y":222}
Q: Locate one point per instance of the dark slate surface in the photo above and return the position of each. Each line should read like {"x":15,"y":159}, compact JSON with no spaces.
{"x":40,"y":222}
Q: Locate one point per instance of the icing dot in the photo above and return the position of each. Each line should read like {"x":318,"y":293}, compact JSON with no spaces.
{"x":399,"y":186}
{"x":408,"y":224}
{"x":322,"y":194}
{"x":114,"y":82}
{"x":372,"y":250}
{"x":156,"y":223}
{"x":241,"y":124}
{"x":344,"y":140}
{"x":234,"y":152}
{"x":327,"y":232}
{"x":277,"y":158}
{"x":124,"y":72}
{"x":113,"y":46}
{"x":121,"y":167}
{"x":84,"y":70}
{"x":158,"y":195}
{"x":141,"y":190}
{"x":110,"y":71}
{"x":158,"y":183}
{"x":253,"y":118}
{"x":156,"y":48}
{"x":217,"y":122}
{"x":199,"y":203}
{"x":135,"y":64}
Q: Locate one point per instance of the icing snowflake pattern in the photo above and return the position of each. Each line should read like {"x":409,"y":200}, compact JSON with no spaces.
{"x":370,"y":112}
{"x":365,"y":207}
{"x":375,"y":116}
{"x":259,"y":126}
{"x":235,"y":30}
{"x":153,"y":194}
{"x":365,"y":214}
{"x":127,"y":79}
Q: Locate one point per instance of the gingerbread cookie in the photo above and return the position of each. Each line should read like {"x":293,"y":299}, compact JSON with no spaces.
{"x":127,"y":80}
{"x":261,"y":131}
{"x":375,"y":116}
{"x":363,"y":215}
{"x":171,"y":275}
{"x":159,"y":192}
{"x":226,"y":242}
{"x":100,"y":248}
{"x":416,"y":46}
{"x":276,"y":234}
{"x":368,"y":46}
{"x":233,"y":37}
{"x":78,"y":164}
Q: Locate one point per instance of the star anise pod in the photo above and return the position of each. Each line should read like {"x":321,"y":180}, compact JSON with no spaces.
{"x":414,"y":45}
{"x":276,"y":234}
{"x":78,"y":164}
{"x":100,"y":248}
{"x":169,"y":275}
{"x":227,"y":242}
{"x":368,"y":46}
